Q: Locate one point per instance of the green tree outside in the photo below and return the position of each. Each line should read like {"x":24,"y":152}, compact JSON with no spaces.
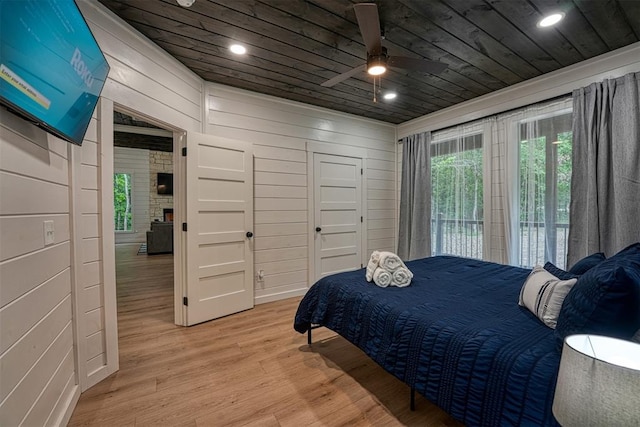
{"x":123,"y":217}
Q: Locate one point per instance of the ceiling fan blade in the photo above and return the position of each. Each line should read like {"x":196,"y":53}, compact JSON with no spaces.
{"x":415,"y":64}
{"x":344,"y":76}
{"x":369,"y":23}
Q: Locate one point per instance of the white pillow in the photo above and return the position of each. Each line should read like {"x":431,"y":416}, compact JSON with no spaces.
{"x":543,"y":293}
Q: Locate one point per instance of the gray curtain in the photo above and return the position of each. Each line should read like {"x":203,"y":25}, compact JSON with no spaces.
{"x":605,"y":180}
{"x":414,"y":234}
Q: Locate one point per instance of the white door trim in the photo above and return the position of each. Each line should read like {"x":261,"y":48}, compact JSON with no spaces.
{"x":334,"y":150}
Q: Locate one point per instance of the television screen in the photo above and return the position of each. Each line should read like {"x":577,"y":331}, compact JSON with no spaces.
{"x":165,"y":183}
{"x":52,"y":70}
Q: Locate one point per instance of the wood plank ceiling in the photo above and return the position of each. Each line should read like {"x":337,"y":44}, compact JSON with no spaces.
{"x":295,"y":45}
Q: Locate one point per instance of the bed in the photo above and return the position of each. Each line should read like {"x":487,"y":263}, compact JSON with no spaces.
{"x":456,"y":335}
{"x":459,"y":337}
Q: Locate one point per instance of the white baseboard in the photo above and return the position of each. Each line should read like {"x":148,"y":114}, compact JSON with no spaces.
{"x":280,"y":295}
{"x":68,"y":407}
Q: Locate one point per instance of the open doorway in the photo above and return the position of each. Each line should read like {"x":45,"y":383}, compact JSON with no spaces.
{"x":144,"y":211}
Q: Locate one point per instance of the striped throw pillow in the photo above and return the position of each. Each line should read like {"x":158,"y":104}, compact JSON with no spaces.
{"x":543,"y":293}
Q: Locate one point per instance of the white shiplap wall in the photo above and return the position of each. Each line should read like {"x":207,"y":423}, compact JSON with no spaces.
{"x":280,"y":131}
{"x":136,"y":162}
{"x":147,"y":82}
{"x":55,"y":296}
{"x":37,"y":372}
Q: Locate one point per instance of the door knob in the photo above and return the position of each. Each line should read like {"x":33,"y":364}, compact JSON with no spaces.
{"x":249,"y":234}
{"x":318,"y":229}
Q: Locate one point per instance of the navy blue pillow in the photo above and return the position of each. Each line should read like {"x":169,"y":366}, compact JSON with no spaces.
{"x":605,"y":300}
{"x":587,"y":263}
{"x":559,"y":273}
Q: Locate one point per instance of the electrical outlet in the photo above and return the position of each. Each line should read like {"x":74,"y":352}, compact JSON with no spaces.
{"x":49,"y":233}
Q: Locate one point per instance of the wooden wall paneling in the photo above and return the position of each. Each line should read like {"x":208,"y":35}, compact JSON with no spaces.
{"x":16,"y":197}
{"x":27,"y":233}
{"x":280,"y":191}
{"x":88,"y":203}
{"x":15,"y":321}
{"x":262,"y":243}
{"x":275,"y":217}
{"x":120,"y":43}
{"x":19,"y":277}
{"x":95,"y":345}
{"x":269,"y":204}
{"x":295,"y":129}
{"x":272,"y":255}
{"x":61,"y":382}
{"x":16,"y":362}
{"x":67,"y":398}
{"x":21,"y":156}
{"x":281,"y":229}
{"x":90,"y":225}
{"x":280,"y":130}
{"x":276,"y":267}
{"x":267,"y":165}
{"x":381,"y":184}
{"x":92,"y":298}
{"x":19,"y":405}
{"x":255,"y":105}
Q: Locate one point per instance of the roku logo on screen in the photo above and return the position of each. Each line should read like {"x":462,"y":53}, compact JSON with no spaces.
{"x":81,"y":68}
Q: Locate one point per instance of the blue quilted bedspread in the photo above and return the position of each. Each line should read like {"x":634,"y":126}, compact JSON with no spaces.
{"x":456,"y":334}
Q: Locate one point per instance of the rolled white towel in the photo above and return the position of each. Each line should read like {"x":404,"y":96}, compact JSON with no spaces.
{"x":372,"y":265}
{"x":382,"y":277}
{"x":390,"y":261}
{"x":401,"y":277}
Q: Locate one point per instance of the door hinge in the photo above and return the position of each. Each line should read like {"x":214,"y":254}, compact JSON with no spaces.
{"x":361,"y":172}
{"x":184,"y":226}
{"x":361,"y":219}
{"x":185,"y":301}
{"x":184,"y":151}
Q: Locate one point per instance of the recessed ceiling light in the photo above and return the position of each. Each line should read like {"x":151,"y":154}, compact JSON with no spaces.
{"x":390,"y":95}
{"x":238,"y":49}
{"x":550,"y":20}
{"x":186,"y":3}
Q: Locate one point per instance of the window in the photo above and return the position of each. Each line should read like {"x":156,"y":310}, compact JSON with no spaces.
{"x":544,"y":189}
{"x":122,"y":202}
{"x":457,"y":202}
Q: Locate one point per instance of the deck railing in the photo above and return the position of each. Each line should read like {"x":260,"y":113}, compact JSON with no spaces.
{"x":465,"y":238}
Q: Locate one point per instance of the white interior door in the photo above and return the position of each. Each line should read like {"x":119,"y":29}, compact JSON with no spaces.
{"x":338,"y":213}
{"x":219,"y":254}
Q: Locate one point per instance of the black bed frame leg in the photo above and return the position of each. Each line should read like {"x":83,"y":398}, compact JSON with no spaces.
{"x":412,"y":404}
{"x":309,"y":336}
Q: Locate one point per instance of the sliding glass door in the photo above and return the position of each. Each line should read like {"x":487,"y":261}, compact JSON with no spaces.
{"x":544,"y":148}
{"x":457,"y":197}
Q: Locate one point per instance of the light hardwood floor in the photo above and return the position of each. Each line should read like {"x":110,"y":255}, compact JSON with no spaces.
{"x":249,"y":369}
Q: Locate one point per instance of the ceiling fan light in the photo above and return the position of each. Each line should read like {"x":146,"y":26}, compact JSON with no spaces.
{"x":376,"y":69}
{"x":550,"y":20}
{"x":238,"y":49}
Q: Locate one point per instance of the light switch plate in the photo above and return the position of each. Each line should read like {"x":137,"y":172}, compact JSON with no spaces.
{"x":49,"y":233}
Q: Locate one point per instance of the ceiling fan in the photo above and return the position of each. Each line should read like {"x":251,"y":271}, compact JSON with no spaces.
{"x":377,"y":58}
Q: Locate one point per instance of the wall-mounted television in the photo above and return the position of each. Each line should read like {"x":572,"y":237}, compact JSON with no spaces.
{"x":165,"y":183}
{"x":51,"y":68}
